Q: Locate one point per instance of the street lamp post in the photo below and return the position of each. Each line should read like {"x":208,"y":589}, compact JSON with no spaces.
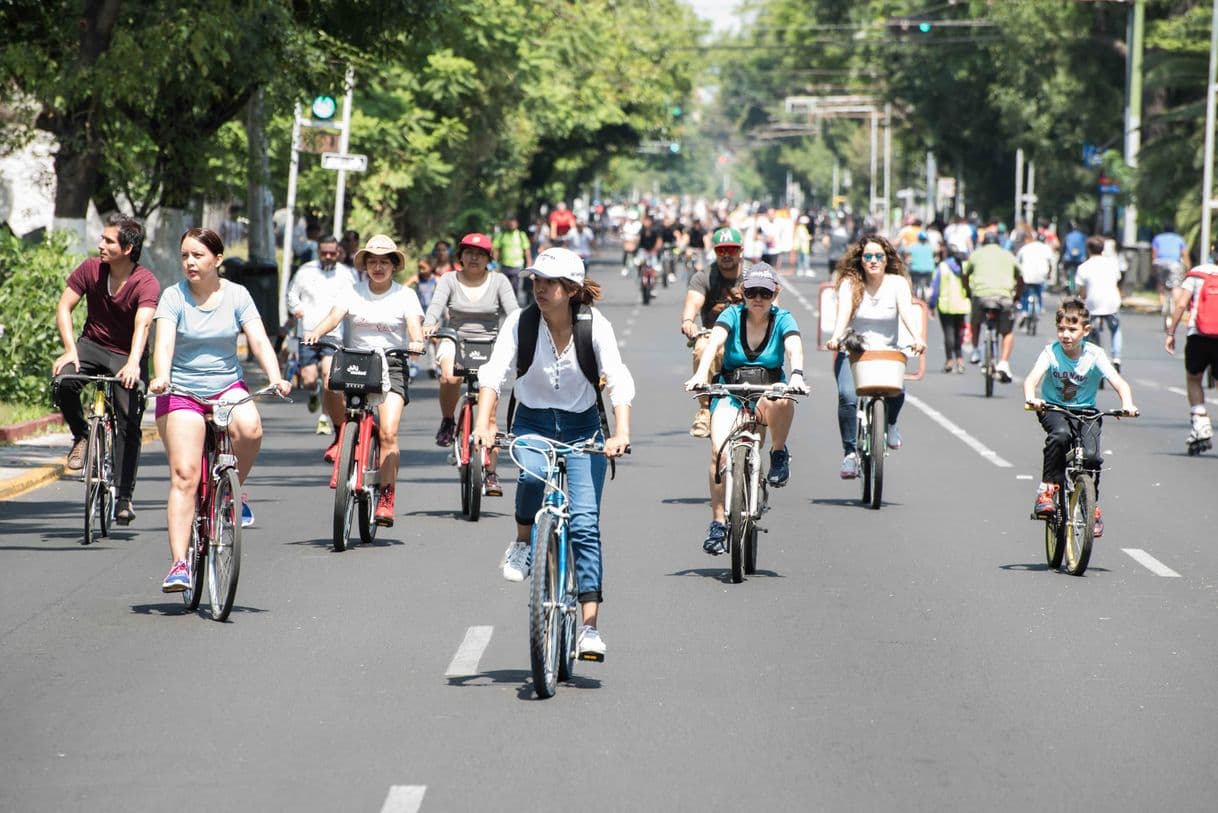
{"x":1207,"y":178}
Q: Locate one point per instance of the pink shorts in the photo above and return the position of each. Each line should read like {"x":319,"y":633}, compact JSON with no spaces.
{"x":172,"y":403}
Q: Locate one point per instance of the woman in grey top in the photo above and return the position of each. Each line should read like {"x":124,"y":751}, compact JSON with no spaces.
{"x":472,"y":301}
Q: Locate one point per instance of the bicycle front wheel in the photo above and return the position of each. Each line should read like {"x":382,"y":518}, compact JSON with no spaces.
{"x":1080,"y":524}
{"x":545,"y":614}
{"x":344,"y":494}
{"x":224,"y":548}
{"x":862,"y":450}
{"x":95,"y":482}
{"x":368,"y":496}
{"x":471,"y":477}
{"x":738,"y":519}
{"x":879,"y":431}
{"x":108,"y":494}
{"x":1054,"y":548}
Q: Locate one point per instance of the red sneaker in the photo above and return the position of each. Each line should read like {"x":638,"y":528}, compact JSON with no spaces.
{"x":331,"y":453}
{"x":1099,"y":524}
{"x":384,"y":508}
{"x":1046,"y":502}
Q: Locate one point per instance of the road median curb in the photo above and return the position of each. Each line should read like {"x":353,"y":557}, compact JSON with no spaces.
{"x":25,"y":429}
{"x":38,"y":476}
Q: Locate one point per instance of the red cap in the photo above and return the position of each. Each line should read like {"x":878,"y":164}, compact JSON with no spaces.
{"x":475,"y":240}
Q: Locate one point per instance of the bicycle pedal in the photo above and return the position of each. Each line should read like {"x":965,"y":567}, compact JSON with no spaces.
{"x":595,"y":657}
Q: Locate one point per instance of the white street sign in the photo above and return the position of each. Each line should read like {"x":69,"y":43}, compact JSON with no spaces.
{"x":346,"y":163}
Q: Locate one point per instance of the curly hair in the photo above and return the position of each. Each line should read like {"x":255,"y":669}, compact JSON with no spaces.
{"x":850,"y":266}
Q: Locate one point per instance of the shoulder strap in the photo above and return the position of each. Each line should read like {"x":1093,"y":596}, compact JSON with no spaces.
{"x":526,"y":338}
{"x":585,"y":354}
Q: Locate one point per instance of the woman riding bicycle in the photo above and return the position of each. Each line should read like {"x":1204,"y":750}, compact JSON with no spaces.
{"x":471,"y":301}
{"x":873,"y":295}
{"x":381,"y":315}
{"x":198,"y":321}
{"x":756,"y":337}
{"x":555,"y":399}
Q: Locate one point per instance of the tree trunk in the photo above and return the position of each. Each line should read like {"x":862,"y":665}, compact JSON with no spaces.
{"x":259,"y":202}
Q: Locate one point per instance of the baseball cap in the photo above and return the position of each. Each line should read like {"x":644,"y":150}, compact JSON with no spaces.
{"x":475,"y":240}
{"x":559,"y":263}
{"x":725,"y":237}
{"x":760,"y":275}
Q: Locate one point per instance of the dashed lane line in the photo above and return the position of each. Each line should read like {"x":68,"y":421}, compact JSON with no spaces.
{"x":404,"y":799}
{"x":1151,"y":563}
{"x":968,"y":440}
{"x":1184,"y":392}
{"x":465,"y":662}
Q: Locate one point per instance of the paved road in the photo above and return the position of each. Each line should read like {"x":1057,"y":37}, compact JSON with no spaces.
{"x":918,"y":658}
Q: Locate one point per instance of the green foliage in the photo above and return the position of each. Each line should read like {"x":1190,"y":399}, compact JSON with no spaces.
{"x":31,"y":280}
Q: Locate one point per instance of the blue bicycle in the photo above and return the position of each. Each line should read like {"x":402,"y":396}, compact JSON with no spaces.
{"x":554,"y":611}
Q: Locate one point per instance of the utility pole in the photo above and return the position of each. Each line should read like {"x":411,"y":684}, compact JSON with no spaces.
{"x":1018,"y":186}
{"x":289,"y":223}
{"x":1133,"y":111}
{"x":1207,"y":182}
{"x":932,"y":183}
{"x":887,"y":167}
{"x":344,"y":141}
{"x":871,"y":206}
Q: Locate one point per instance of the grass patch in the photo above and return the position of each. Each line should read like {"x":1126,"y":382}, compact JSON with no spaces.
{"x":11,"y":413}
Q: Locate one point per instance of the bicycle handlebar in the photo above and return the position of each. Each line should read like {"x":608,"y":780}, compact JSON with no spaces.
{"x":139,"y":387}
{"x":751,"y":391}
{"x":1085,"y":413}
{"x":269,"y":389}
{"x":391,"y":351}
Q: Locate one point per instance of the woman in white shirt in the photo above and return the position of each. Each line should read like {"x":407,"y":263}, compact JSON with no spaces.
{"x":381,"y":315}
{"x":873,"y":293}
{"x":556,"y":400}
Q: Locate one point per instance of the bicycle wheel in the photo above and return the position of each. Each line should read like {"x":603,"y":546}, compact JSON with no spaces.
{"x":988,"y":368}
{"x":750,"y":538}
{"x":195,"y":555}
{"x":646,"y":293}
{"x":108,"y":494}
{"x":94,"y":482}
{"x":571,"y":617}
{"x":344,"y":495}
{"x":471,"y":478}
{"x":366,"y":499}
{"x":1053,"y":541}
{"x":1080,"y":524}
{"x":879,"y":430}
{"x":545,"y":623}
{"x":862,"y":450}
{"x":224,"y":548}
{"x":738,"y":519}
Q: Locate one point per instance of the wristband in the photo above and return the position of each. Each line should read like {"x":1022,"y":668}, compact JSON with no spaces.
{"x":683,"y":321}
{"x":799,"y":373}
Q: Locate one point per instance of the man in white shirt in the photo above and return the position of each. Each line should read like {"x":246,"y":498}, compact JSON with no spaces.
{"x":317,"y":286}
{"x":1036,"y":259}
{"x":1099,"y":285}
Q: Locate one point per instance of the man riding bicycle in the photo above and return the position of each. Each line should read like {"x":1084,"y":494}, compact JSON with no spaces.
{"x":992,"y":277}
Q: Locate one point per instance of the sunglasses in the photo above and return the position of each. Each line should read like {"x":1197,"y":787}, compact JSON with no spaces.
{"x":733,"y":251}
{"x":873,"y":258}
{"x":758,"y":293}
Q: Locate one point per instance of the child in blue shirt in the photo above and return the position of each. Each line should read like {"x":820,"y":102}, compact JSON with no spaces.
{"x":1068,"y":373}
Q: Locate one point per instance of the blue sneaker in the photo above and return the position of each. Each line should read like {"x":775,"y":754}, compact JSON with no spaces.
{"x":780,"y":468}
{"x":247,"y":513}
{"x":178,"y":580}
{"x":716,"y":539}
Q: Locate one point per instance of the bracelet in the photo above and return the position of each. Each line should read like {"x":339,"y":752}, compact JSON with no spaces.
{"x":683,"y":321}
{"x":799,"y":373}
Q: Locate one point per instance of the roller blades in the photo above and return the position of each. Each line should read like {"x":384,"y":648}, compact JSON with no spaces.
{"x":1201,"y":436}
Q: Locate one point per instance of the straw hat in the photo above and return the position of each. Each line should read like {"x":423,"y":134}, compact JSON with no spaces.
{"x":381,"y":245}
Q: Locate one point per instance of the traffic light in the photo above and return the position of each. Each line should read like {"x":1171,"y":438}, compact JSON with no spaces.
{"x":674,"y":147}
{"x":677,"y":111}
{"x":924,"y":27}
{"x":324,"y":107}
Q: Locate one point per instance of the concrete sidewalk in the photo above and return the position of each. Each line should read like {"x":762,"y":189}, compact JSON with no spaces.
{"x":35,"y":461}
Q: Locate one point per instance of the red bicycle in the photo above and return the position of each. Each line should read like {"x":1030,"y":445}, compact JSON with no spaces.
{"x":471,"y":462}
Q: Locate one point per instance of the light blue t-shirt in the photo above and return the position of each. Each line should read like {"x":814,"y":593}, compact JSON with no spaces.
{"x":1073,"y":382}
{"x":1169,"y":247}
{"x":921,"y":258}
{"x":771,"y":355}
{"x":205,"y":344}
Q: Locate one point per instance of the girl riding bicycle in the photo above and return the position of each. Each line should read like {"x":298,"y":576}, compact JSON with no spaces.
{"x":1071,"y":369}
{"x":756,"y":337}
{"x":556,"y":400}
{"x":873,"y":299}
{"x":198,"y":321}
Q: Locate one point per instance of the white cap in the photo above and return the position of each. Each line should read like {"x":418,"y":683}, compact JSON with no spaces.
{"x":559,"y":263}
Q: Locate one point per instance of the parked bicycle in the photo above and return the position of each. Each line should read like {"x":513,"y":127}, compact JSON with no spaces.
{"x":740,"y":466}
{"x":214,"y":554}
{"x":1070,"y":531}
{"x":356,"y":478}
{"x":471,"y":461}
{"x":554,"y":610}
{"x":99,"y":470}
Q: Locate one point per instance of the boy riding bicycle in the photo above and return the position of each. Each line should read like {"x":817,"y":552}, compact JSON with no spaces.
{"x":1071,"y":370}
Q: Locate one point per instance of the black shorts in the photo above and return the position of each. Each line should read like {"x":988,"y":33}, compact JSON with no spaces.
{"x":1006,"y":316}
{"x":1200,"y":352}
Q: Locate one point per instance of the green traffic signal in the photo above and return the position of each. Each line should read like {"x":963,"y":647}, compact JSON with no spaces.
{"x":924,"y":27}
{"x":674,"y":147}
{"x":324,"y":107}
{"x":677,"y":111}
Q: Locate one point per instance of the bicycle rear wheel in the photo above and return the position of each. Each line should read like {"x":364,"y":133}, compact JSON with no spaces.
{"x":1080,"y":525}
{"x":344,"y":494}
{"x":879,"y":430}
{"x":368,"y":496}
{"x":988,"y":367}
{"x":571,"y":618}
{"x":108,"y":494}
{"x":750,"y":538}
{"x":1054,"y":544}
{"x":224,"y":548}
{"x":862,"y":450}
{"x":545,"y":622}
{"x":195,"y":563}
{"x":471,"y":476}
{"x":738,"y":520}
{"x":95,"y":482}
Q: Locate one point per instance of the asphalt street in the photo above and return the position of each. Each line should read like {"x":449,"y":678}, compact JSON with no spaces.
{"x":919,"y":657}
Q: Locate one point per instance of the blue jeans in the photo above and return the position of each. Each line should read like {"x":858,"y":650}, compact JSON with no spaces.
{"x":847,"y":405}
{"x":1097,"y":333}
{"x":585,"y":482}
{"x":1033,"y":292}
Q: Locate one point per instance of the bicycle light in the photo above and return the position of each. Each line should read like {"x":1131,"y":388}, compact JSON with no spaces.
{"x":222,"y":415}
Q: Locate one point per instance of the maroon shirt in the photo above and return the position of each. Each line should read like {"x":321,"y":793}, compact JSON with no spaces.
{"x":111,"y":319}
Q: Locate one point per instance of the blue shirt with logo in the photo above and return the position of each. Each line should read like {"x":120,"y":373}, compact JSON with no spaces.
{"x":1073,"y":382}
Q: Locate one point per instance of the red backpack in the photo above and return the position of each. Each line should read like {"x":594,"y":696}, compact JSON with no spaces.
{"x":1205,"y":303}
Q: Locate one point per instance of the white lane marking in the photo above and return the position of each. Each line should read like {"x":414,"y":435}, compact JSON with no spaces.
{"x":970,"y":441}
{"x":1184,"y":392}
{"x":1146,"y":382}
{"x":404,"y":799}
{"x":787,"y":284}
{"x":465,"y":662}
{"x":1023,"y":477}
{"x":1151,"y":563}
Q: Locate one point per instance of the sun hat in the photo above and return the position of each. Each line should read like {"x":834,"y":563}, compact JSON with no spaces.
{"x":760,"y":275}
{"x":475,"y":240}
{"x":380,"y":245}
{"x":727,"y":236}
{"x":558,"y":263}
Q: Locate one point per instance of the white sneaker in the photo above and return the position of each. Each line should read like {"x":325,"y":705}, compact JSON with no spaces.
{"x":850,"y":467}
{"x":589,"y":645}
{"x":324,"y":426}
{"x":516,"y":561}
{"x":894,"y":438}
{"x":1003,"y":370}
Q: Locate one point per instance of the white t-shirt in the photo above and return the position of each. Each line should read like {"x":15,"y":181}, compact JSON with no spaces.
{"x":1101,"y":276}
{"x":877,"y":319}
{"x":315,"y":291}
{"x":378,"y":321}
{"x":1036,"y":261}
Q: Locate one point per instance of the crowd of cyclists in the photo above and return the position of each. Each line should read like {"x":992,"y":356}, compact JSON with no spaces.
{"x":529,"y":290}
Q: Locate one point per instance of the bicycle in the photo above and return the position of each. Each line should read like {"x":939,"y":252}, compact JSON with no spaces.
{"x":99,"y":470}
{"x":1071,"y":530}
{"x":215,"y":532}
{"x":554,"y":610}
{"x":646,"y":264}
{"x":356,"y":478}
{"x":744,"y":475}
{"x":471,"y":461}
{"x":989,"y":340}
{"x":877,"y":374}
{"x":1032,"y":307}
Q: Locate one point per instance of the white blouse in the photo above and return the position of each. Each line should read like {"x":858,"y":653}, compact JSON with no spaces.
{"x":554,"y":379}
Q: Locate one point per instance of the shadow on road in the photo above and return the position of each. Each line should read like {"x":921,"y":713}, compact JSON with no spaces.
{"x":328,"y":542}
{"x":722,"y":574}
{"x":844,"y":502}
{"x":178,"y":608}
{"x":685,"y":501}
{"x":1041,"y":567}
{"x":518,"y":676}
